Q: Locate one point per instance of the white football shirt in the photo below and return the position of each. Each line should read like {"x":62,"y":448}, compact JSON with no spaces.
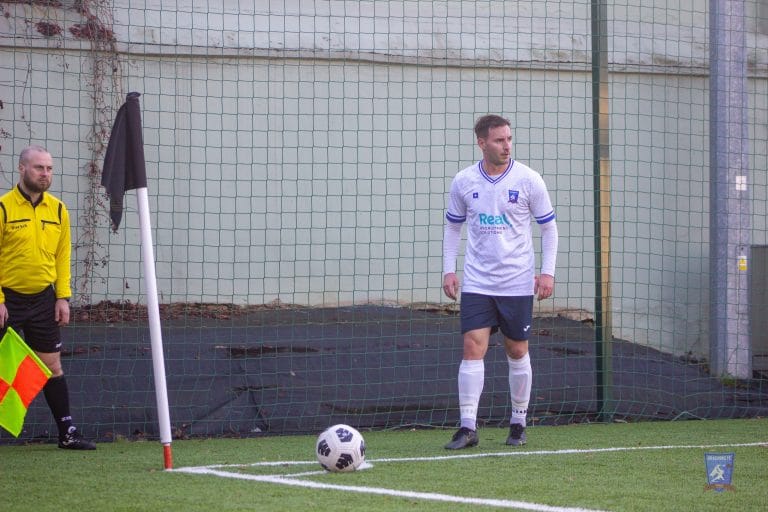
{"x":499,"y":210}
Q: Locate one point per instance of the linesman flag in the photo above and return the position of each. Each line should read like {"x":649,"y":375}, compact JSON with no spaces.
{"x":22,"y":376}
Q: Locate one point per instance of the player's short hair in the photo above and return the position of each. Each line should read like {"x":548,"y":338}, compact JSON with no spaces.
{"x":24,"y":155}
{"x":487,"y":122}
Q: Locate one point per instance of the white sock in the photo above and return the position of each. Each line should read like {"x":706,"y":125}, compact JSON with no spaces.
{"x":520,"y":377}
{"x":471,"y":380}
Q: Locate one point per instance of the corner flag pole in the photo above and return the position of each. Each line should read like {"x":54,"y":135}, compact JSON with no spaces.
{"x":153,"y":312}
{"x":125,"y":169}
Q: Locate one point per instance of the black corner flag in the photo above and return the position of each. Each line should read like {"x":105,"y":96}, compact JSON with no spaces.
{"x":124,"y":166}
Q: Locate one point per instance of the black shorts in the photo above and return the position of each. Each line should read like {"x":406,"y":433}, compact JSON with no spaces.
{"x":34,"y":318}
{"x":512,"y":315}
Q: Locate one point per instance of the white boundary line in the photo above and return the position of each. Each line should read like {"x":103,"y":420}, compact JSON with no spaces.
{"x":292,"y":480}
{"x":277,"y":479}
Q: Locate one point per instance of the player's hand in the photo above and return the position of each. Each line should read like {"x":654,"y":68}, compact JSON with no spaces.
{"x":543,"y":286}
{"x":451,"y":285}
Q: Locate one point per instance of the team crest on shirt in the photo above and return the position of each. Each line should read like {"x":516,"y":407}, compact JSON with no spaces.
{"x":513,"y":194}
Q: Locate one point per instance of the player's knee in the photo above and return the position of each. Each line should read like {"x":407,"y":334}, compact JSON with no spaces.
{"x":516,"y":349}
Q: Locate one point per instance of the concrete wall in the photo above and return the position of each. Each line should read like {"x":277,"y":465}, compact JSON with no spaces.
{"x":301,"y":151}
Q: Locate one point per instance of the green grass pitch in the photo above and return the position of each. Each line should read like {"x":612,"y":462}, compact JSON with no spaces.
{"x":620,"y":467}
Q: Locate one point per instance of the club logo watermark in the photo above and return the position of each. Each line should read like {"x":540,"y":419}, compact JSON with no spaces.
{"x":719,"y":471}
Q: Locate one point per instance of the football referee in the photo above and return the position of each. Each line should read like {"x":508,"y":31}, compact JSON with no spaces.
{"x":35,"y":252}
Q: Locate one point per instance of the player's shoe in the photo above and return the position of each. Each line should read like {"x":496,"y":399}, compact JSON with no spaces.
{"x":516,"y":435}
{"x":463,"y":438}
{"x":73,"y":440}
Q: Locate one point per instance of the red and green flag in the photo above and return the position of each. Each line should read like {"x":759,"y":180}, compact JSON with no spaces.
{"x":22,"y":376}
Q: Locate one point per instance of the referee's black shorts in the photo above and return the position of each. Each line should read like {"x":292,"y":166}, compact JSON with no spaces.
{"x":34,"y":317}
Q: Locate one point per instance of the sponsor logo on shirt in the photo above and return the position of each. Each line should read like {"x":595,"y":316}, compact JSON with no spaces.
{"x":493,"y":224}
{"x":493,"y":220}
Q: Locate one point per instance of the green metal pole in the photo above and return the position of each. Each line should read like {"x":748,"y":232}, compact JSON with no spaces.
{"x":602,"y":191}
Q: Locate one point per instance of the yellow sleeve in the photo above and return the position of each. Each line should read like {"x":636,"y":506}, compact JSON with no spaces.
{"x":2,"y":231}
{"x":64,"y":257}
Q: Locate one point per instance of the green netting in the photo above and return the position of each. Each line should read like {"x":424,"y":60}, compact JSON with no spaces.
{"x":299,"y":155}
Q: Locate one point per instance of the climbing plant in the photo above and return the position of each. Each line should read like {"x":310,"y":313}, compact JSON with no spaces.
{"x":105,"y":89}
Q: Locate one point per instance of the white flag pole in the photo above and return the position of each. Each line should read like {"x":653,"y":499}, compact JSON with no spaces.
{"x":153,"y":312}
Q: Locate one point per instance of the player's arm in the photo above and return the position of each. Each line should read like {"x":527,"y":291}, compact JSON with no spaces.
{"x":455,"y":217}
{"x":451,"y":240}
{"x":545,"y":283}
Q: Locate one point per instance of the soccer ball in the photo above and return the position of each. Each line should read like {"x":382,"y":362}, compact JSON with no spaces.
{"x":340,"y":448}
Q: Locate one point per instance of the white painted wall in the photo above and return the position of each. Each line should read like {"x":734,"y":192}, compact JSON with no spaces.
{"x":301,"y":151}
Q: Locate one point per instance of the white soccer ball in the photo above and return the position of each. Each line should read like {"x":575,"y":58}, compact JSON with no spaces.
{"x":340,"y":448}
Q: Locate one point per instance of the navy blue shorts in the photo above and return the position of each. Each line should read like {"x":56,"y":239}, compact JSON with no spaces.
{"x":512,"y":315}
{"x":34,"y":318}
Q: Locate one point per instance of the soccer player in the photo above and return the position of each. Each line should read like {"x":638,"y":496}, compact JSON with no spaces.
{"x":498,"y":198}
{"x":35,"y":249}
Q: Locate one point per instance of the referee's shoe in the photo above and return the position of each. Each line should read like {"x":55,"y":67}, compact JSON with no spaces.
{"x":73,"y":440}
{"x":463,"y":438}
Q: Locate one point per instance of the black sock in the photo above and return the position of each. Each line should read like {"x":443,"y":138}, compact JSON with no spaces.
{"x":57,"y":395}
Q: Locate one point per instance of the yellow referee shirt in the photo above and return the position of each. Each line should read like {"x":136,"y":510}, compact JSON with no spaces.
{"x":35,"y":245}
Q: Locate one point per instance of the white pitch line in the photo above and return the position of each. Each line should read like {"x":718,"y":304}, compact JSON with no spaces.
{"x":277,"y":479}
{"x":519,"y":453}
{"x":521,"y":505}
{"x":568,"y":451}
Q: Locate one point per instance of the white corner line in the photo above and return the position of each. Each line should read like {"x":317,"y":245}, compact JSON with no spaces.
{"x":293,"y":480}
{"x":276,"y":479}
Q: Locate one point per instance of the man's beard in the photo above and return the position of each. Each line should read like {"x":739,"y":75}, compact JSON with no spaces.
{"x":36,"y":186}
{"x":500,"y":160}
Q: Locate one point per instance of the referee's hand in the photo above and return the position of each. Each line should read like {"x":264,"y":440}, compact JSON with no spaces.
{"x":62,"y":312}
